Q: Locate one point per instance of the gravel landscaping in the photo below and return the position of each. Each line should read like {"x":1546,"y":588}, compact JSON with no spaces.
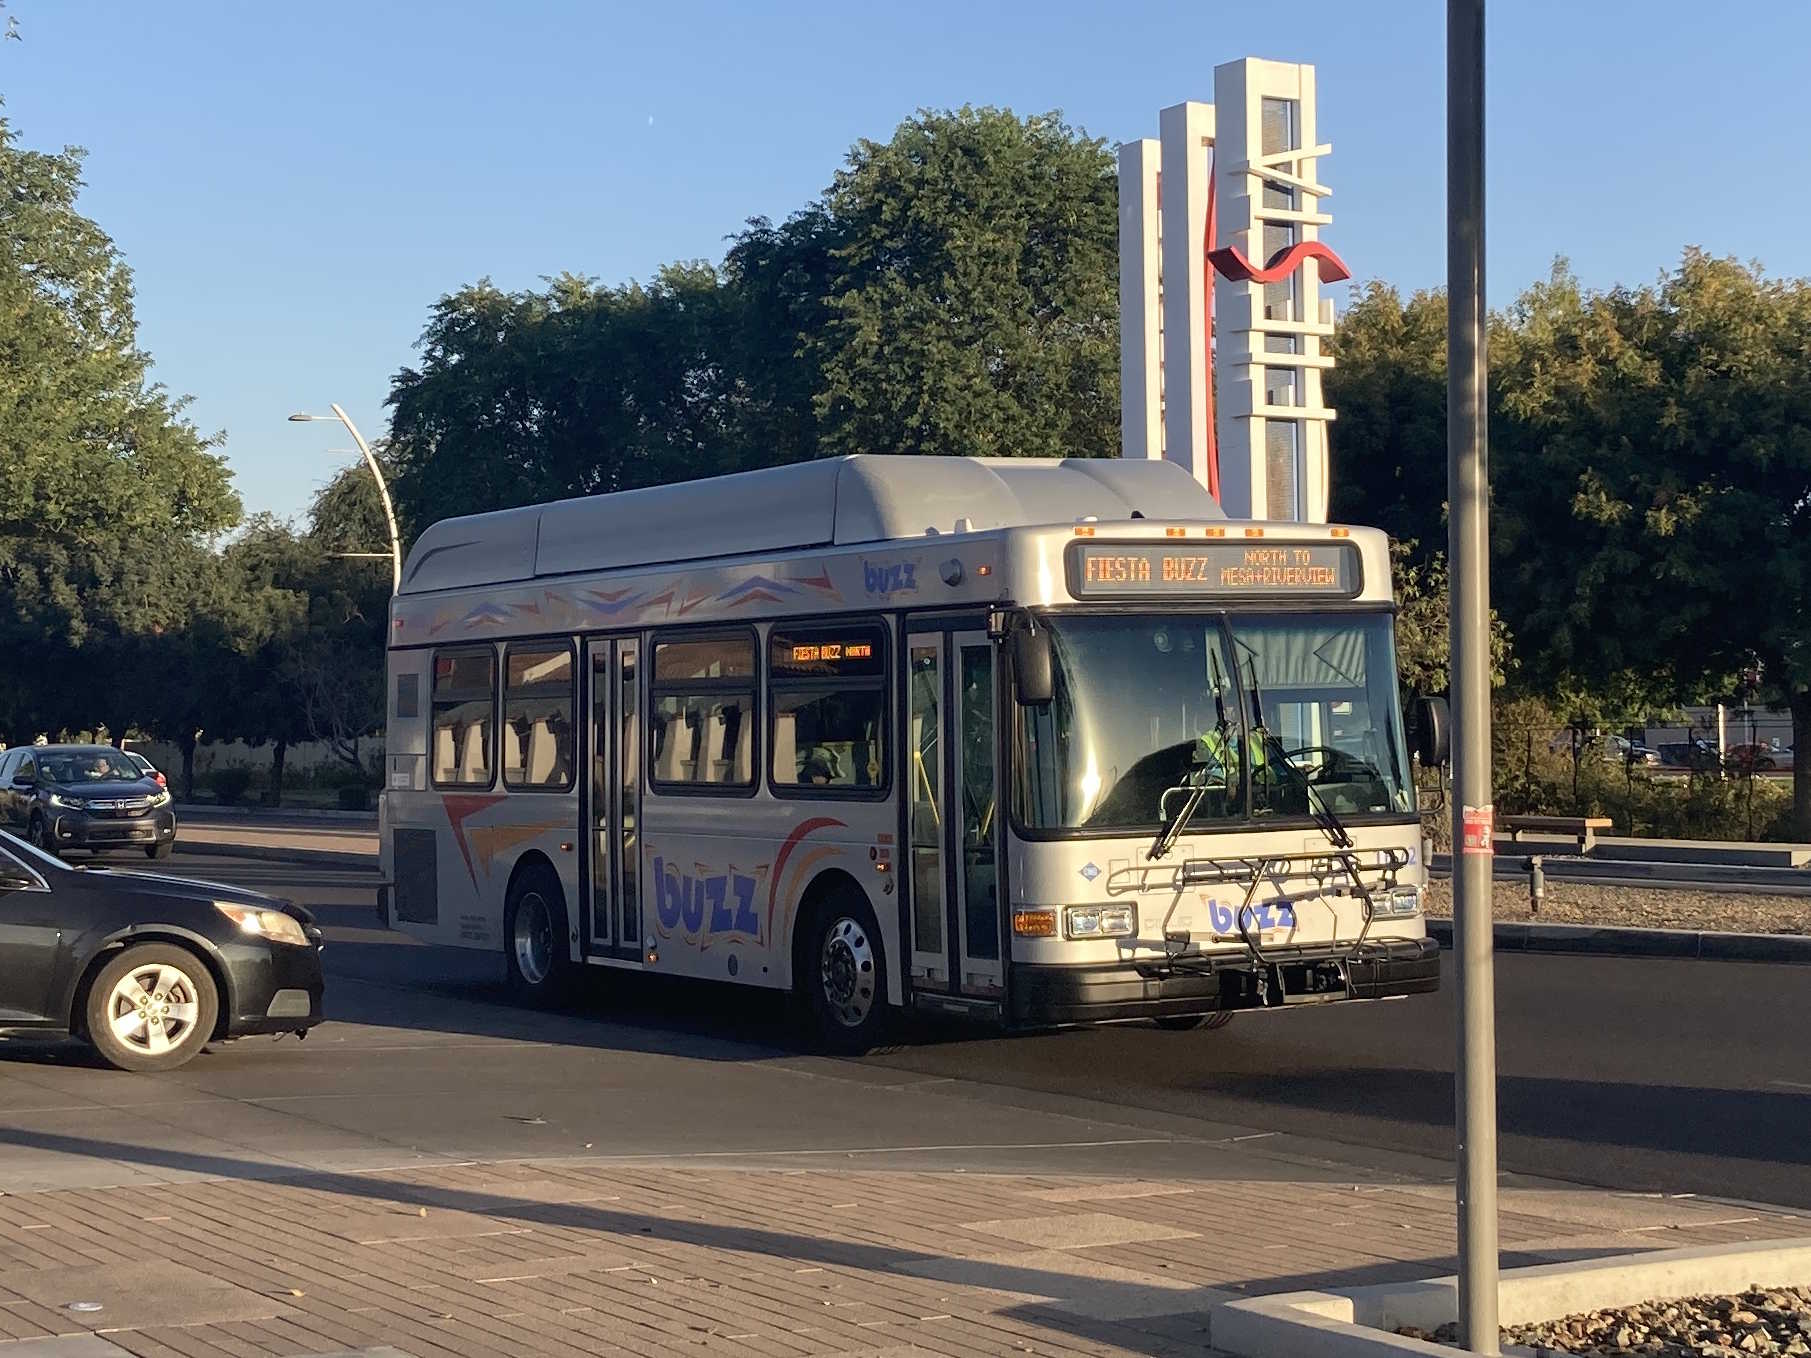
{"x":1760,"y":1321}
{"x":1642,"y":907}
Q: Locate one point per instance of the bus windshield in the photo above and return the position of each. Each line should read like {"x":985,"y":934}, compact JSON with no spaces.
{"x":1144,"y":703}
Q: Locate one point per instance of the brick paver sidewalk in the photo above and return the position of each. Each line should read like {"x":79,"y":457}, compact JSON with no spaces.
{"x":481,"y":1261}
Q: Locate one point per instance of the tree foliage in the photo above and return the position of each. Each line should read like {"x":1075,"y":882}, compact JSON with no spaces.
{"x":108,"y":497}
{"x":1651,"y":474}
{"x":975,"y":291}
{"x":953,"y":291}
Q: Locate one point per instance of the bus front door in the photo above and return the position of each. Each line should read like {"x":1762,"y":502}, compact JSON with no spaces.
{"x":613,"y":800}
{"x":951,"y":814}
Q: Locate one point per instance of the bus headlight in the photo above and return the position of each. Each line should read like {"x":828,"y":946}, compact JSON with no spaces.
{"x":1398,"y":902}
{"x":1100,"y":921}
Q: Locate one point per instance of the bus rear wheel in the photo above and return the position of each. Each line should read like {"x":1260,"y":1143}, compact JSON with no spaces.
{"x":534,"y":938}
{"x":843,"y":975}
{"x":1183,"y":1023}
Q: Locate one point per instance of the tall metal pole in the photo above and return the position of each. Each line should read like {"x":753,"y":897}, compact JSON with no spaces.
{"x":383,"y":493}
{"x":1468,"y":493}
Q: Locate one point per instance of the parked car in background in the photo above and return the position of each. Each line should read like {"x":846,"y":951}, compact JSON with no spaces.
{"x":148,"y":969}
{"x":1621,"y":750}
{"x":1693,"y":754}
{"x":62,"y":797}
{"x":1757,"y":758}
{"x":149,"y":769}
{"x":1611,"y":749}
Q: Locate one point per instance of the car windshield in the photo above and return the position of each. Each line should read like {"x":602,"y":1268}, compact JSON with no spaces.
{"x":1145,"y":703}
{"x":87,"y":766}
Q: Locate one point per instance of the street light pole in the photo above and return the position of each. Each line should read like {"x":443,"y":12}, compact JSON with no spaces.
{"x":1468,"y":493}
{"x":383,"y":490}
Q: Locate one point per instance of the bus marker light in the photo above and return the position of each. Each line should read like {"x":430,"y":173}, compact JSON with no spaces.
{"x":1214,"y":532}
{"x":1340,"y":532}
{"x":1254,"y":532}
{"x":1084,"y":530}
{"x":1034,"y":923}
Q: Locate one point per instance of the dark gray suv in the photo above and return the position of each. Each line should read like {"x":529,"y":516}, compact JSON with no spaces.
{"x":84,"y":797}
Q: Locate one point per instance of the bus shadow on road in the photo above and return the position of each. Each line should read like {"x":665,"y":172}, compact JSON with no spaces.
{"x":465,"y":993}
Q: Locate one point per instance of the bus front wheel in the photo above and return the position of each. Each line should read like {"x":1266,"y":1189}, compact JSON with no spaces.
{"x":534,"y":938}
{"x":843,"y":975}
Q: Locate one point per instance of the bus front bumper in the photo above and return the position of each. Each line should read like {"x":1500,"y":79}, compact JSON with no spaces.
{"x":1208,"y":983}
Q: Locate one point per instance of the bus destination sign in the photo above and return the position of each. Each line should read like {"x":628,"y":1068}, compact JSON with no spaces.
{"x":1226,"y":569}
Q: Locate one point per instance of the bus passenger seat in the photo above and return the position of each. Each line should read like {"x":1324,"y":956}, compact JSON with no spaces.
{"x":785,"y":747}
{"x":540,"y":753}
{"x":443,"y":754}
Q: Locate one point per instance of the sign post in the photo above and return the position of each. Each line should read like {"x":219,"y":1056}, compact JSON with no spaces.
{"x":1468,"y":493}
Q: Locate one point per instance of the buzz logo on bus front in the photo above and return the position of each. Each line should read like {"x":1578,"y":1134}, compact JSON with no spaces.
{"x":1263,"y":920}
{"x":703,"y":907}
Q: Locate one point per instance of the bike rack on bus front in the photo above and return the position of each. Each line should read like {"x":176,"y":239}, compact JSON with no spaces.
{"x":1334,"y":867}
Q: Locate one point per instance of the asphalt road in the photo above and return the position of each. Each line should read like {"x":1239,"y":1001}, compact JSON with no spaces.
{"x":1642,"y":1075}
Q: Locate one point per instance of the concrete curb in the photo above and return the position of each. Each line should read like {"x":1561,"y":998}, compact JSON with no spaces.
{"x":1360,"y":1322}
{"x":266,"y":853}
{"x":1607,"y":941}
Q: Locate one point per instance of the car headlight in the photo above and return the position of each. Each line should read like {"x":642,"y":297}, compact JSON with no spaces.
{"x":1100,"y":921}
{"x":272,"y":924}
{"x":57,"y":799}
{"x":161,"y":797}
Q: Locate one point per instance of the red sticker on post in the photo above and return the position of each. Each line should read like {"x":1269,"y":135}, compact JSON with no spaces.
{"x":1477,"y":829}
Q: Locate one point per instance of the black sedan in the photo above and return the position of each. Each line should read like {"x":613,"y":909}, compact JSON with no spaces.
{"x":148,"y":969}
{"x":84,"y":797}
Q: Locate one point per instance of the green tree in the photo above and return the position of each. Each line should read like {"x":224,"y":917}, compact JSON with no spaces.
{"x":975,"y":291}
{"x":1388,"y":448}
{"x":1654,"y":506}
{"x":105,"y":490}
{"x":1423,"y":631}
{"x":955,"y":291}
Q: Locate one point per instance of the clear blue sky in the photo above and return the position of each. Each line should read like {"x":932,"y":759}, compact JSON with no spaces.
{"x":295,"y":184}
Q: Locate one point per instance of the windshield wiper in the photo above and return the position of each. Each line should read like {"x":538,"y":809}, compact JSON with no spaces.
{"x":1328,"y":823}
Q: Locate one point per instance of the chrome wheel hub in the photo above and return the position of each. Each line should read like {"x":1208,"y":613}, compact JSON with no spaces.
{"x":153,"y":1009}
{"x":533,"y":941}
{"x":846,"y":970}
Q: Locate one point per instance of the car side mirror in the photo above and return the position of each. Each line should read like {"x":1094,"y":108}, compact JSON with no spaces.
{"x":24,"y":780}
{"x":1032,"y":678}
{"x":1433,"y":732}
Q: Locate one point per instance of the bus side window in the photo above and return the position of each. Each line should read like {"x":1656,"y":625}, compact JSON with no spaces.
{"x":537,"y":717}
{"x":702,"y":709}
{"x":828,"y":689}
{"x":464,"y":717}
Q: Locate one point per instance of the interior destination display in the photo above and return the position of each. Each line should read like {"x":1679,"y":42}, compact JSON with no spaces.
{"x":823,"y":652}
{"x":1329,"y":569}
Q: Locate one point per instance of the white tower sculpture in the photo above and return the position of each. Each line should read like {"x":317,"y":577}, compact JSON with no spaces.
{"x":1221,"y":314}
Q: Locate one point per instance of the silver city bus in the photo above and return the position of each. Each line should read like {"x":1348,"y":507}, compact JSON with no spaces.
{"x":1036,"y":741}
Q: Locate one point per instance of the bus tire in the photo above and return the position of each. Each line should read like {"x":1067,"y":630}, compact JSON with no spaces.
{"x":843,"y":975}
{"x":1185,"y":1023}
{"x":534,"y":938}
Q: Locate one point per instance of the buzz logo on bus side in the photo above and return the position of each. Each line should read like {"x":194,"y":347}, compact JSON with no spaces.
{"x":706,"y":906}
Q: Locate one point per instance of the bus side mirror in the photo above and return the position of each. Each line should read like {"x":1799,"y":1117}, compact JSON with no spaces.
{"x":1433,"y":732}
{"x":1031,"y":664}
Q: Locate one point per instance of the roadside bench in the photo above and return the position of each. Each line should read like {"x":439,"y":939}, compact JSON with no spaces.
{"x":1582,"y":828}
